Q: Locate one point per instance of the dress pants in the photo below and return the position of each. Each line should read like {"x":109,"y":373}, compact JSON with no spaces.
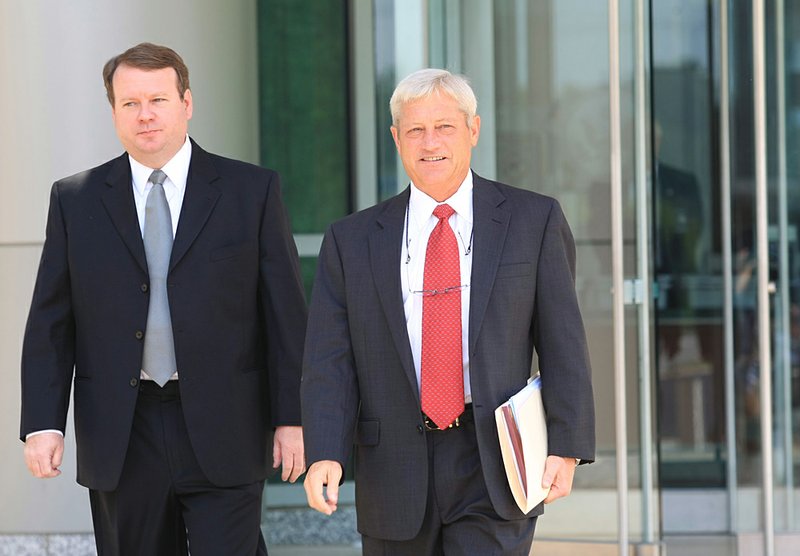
{"x":164,"y":505}
{"x":459,"y":517}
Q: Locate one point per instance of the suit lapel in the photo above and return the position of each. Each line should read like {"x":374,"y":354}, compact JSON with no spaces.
{"x":385,"y":249}
{"x":198,"y":202}
{"x":118,"y":201}
{"x":490,"y":225}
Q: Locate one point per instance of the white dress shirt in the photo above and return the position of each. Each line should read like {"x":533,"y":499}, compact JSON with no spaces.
{"x":419,"y":225}
{"x":177,"y":171}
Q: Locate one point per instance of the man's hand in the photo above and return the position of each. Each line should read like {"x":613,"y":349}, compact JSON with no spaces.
{"x":43,"y":454}
{"x":323,"y":475}
{"x":558,"y":474}
{"x":287,"y":450}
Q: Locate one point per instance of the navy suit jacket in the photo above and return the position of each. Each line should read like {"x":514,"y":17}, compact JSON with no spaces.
{"x":359,"y":384}
{"x":237,"y":306}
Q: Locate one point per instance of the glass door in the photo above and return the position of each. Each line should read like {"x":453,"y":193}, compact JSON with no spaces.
{"x":726,"y":267}
{"x":782,"y":32}
{"x":688,"y":265}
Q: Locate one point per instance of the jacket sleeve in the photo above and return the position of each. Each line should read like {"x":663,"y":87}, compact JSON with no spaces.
{"x":560,"y":342}
{"x":284,"y":307}
{"x":48,"y":351}
{"x":330,"y":388}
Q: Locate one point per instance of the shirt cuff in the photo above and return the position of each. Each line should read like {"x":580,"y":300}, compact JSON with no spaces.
{"x":27,"y":436}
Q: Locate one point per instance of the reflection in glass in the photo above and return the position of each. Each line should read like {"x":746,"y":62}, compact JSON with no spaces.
{"x":686,"y":250}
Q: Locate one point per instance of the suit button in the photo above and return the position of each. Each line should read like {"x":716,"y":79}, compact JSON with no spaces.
{"x":420,"y":429}
{"x":139,"y":334}
{"x":134,"y":382}
{"x":144,"y":288}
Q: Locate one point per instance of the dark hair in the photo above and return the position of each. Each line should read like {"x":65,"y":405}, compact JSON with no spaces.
{"x":146,"y":56}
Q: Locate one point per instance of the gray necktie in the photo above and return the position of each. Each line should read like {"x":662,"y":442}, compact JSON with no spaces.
{"x":158,"y":360}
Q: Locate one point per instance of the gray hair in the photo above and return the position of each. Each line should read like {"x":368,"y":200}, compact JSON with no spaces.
{"x":426,"y":82}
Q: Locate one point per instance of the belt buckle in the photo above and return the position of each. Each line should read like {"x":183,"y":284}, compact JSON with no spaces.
{"x":431,"y":426}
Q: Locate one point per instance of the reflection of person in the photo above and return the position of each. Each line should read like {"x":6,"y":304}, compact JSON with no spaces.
{"x":678,"y":225}
{"x":680,"y":212}
{"x":419,"y":329}
{"x":172,"y":437}
{"x":679,"y":220}
{"x":746,"y":330}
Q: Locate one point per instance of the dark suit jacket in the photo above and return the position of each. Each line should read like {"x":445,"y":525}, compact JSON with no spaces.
{"x":237,"y":306}
{"x":359,"y":383}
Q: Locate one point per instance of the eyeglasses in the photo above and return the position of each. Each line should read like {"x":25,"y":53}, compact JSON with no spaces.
{"x":431,"y":293}
{"x":442,"y":291}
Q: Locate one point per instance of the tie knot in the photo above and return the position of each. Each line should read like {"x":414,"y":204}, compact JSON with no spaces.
{"x":443,"y":212}
{"x":157,"y":177}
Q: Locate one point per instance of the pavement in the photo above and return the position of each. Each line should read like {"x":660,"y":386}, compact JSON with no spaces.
{"x":315,"y":550}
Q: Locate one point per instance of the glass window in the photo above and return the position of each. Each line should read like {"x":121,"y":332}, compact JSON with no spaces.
{"x":305,"y":120}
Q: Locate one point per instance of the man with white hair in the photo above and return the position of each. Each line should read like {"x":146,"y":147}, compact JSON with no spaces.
{"x":424,"y":317}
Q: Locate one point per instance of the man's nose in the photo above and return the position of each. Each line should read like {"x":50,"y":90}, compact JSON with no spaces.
{"x":430,"y":138}
{"x":145,"y":113}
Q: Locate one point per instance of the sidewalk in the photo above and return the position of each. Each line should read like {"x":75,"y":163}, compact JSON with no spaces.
{"x":83,"y":545}
{"x":314,"y":550}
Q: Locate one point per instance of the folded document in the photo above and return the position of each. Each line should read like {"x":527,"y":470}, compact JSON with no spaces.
{"x":522,"y":428}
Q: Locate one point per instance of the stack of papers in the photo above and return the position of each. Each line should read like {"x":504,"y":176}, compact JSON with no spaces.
{"x":522,"y":429}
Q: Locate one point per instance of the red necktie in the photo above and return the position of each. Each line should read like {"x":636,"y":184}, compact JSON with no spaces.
{"x":442,"y":372}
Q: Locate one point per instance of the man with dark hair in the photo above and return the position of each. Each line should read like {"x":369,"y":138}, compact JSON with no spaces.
{"x":147,"y":56}
{"x":169,"y":292}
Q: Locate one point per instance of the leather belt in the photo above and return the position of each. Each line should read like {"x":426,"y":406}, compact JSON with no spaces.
{"x":465,"y":417}
{"x":149,"y":389}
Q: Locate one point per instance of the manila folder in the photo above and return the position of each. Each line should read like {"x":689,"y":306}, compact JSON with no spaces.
{"x":522,"y":429}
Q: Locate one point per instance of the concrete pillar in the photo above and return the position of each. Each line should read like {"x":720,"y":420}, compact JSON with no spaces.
{"x":55,"y":122}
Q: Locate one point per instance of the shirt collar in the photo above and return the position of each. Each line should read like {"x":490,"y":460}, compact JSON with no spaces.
{"x":421,"y":205}
{"x":177,"y":169}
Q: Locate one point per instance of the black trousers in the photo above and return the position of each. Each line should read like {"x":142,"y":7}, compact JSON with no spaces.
{"x":459,"y":517}
{"x":164,"y":505}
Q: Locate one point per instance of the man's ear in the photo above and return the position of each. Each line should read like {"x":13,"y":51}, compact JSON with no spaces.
{"x":188,"y":103}
{"x":475,"y":130}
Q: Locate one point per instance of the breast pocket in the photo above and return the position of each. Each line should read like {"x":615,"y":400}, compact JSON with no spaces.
{"x":230,"y":251}
{"x":514,"y":269}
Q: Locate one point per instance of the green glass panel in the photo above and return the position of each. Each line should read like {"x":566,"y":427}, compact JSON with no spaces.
{"x":304,"y":124}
